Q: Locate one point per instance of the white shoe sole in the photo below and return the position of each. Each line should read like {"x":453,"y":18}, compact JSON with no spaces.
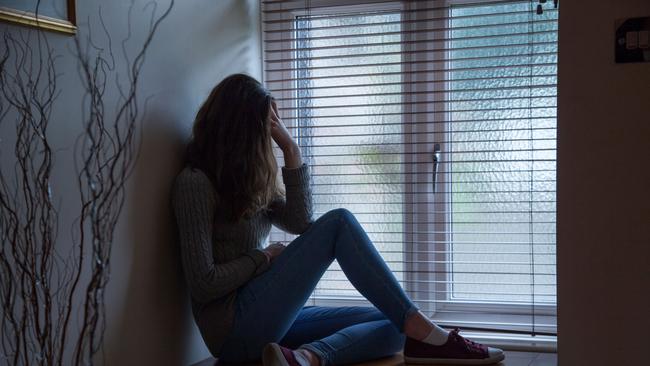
{"x":272,"y":356}
{"x":454,"y":361}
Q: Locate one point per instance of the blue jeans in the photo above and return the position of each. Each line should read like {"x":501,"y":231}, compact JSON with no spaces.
{"x":270,"y":307}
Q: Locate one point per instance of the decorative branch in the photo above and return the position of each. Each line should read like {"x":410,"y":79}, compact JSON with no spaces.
{"x":40,"y":288}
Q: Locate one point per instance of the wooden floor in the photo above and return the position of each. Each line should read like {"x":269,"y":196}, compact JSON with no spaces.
{"x":512,"y":359}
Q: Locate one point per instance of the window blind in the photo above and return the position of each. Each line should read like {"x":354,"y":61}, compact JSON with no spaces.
{"x":434,"y":122}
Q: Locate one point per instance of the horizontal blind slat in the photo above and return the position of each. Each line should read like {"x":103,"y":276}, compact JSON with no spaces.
{"x":425,"y":51}
{"x":552,"y":108}
{"x":291,"y":19}
{"x":439,"y":69}
{"x":427,"y":73}
{"x":427,"y":41}
{"x":427,"y":102}
{"x":415,"y":31}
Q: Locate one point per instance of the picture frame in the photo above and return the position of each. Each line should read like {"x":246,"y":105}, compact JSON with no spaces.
{"x":50,"y":19}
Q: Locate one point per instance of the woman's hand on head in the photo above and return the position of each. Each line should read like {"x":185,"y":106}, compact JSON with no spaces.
{"x":279,"y":131}
{"x":273,"y":250}
{"x":282,"y":137}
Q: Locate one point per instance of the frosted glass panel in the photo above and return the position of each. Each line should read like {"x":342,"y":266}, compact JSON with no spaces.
{"x":356,"y":161}
{"x":503,"y":164}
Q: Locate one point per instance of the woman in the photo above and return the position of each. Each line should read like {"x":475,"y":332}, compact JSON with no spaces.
{"x":248,"y":301}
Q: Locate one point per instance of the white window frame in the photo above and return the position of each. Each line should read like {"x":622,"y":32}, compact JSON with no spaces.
{"x":436,"y":235}
{"x":467,"y":308}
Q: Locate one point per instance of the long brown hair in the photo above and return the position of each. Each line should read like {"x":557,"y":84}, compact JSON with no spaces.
{"x":231,"y":144}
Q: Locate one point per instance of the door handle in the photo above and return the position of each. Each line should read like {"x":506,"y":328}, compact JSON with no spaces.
{"x":436,"y":161}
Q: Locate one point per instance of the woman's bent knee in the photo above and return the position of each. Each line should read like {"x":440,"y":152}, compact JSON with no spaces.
{"x":339,"y":213}
{"x":335,"y":216}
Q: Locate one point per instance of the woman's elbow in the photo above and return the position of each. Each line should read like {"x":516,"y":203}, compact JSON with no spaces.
{"x":299,"y":227}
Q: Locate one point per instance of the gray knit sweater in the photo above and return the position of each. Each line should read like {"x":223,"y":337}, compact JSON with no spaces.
{"x":218,"y":257}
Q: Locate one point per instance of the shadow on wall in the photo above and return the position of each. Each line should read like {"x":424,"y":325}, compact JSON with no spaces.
{"x":155,"y":317}
{"x":150,"y":320}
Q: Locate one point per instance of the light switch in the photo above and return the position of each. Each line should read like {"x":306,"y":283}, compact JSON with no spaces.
{"x":643,"y":39}
{"x":632,"y":40}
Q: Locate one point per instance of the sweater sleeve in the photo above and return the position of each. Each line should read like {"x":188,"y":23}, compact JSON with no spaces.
{"x":293,"y":214}
{"x":193,"y":202}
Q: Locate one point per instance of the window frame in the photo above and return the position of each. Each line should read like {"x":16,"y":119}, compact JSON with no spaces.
{"x":467,"y":308}
{"x":437,"y":278}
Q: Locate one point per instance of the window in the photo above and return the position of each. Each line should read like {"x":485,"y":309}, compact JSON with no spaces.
{"x":433,"y":122}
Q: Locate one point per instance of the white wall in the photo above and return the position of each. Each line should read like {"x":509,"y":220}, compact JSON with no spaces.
{"x":148,"y":315}
{"x":603,"y":190}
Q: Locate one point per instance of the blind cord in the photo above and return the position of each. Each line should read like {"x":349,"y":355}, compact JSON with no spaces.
{"x":532,"y":167}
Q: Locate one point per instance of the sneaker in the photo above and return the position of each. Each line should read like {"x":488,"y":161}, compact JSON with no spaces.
{"x":276,"y":355}
{"x":456,"y":351}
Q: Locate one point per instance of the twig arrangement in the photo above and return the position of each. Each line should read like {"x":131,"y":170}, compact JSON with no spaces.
{"x":53,"y":309}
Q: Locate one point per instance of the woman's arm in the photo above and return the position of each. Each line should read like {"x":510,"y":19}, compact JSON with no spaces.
{"x":282,"y":137}
{"x":193,"y":201}
{"x":293,"y":214}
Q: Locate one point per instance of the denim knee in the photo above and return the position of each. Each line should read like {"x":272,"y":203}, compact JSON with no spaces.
{"x":341,"y":213}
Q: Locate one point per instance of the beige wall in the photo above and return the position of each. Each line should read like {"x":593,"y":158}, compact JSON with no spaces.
{"x":148,"y":316}
{"x":603,"y":190}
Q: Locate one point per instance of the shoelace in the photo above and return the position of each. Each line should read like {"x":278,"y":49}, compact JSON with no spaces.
{"x":471,"y":346}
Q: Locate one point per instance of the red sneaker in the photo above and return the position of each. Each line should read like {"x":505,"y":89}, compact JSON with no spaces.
{"x":456,"y":351}
{"x":276,"y":355}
